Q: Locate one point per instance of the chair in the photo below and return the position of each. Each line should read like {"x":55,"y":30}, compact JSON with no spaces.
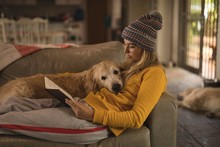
{"x":25,"y":33}
{"x":40,"y":30}
{"x":2,"y":31}
{"x":8,"y":30}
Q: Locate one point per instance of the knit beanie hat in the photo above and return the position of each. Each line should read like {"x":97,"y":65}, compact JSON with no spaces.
{"x":143,"y":31}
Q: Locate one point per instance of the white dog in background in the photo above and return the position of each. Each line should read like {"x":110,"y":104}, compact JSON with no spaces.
{"x":201,"y":99}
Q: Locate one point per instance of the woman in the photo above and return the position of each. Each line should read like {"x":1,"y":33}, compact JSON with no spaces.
{"x":145,"y":81}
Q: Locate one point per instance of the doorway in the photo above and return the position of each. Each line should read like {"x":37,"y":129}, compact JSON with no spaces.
{"x":198,"y":33}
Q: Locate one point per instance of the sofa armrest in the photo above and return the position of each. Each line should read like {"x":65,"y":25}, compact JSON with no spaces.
{"x":162,"y":122}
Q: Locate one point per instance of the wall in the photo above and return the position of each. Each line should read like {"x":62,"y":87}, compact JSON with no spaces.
{"x":218,"y":48}
{"x":175,"y":32}
{"x":136,"y":8}
{"x":116,"y":13}
{"x":164,"y":41}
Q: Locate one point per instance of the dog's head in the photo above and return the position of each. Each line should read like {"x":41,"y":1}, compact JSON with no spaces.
{"x":107,"y":74}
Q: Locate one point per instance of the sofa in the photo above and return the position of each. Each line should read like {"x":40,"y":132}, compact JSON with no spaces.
{"x":159,"y":130}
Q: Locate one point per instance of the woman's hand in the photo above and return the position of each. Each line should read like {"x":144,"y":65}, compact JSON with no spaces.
{"x":81,"y":110}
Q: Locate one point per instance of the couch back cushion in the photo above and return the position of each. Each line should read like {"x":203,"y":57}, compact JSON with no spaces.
{"x":74,"y":59}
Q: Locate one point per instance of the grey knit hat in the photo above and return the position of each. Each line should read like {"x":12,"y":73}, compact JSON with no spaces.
{"x":143,"y":31}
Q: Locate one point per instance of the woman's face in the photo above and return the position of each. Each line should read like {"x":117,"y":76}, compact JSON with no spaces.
{"x":133,"y":52}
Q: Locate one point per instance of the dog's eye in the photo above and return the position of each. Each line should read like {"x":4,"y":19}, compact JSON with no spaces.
{"x":103,"y":77}
{"x":115,"y":72}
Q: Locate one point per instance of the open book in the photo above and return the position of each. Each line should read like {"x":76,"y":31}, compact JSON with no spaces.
{"x":56,"y":91}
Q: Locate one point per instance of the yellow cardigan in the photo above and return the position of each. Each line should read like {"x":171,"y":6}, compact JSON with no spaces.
{"x":131,"y":107}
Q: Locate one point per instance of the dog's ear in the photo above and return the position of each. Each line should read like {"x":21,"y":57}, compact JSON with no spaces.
{"x":90,"y":82}
{"x":95,"y":85}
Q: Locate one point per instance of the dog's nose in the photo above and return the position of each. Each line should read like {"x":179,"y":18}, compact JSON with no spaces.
{"x":116,"y":87}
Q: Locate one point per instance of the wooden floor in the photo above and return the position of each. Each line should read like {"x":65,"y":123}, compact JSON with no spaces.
{"x":194,"y":129}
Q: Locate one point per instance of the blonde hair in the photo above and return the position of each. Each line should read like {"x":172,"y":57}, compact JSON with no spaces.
{"x":147,"y":59}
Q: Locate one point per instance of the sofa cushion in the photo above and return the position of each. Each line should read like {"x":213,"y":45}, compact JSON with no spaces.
{"x":129,"y":138}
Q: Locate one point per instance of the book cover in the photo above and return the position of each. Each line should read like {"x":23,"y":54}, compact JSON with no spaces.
{"x":56,"y":91}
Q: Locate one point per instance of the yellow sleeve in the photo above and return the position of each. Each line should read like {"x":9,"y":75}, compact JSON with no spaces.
{"x":152,"y":86}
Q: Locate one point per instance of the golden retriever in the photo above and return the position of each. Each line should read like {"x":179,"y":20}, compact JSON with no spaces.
{"x":201,"y":99}
{"x":104,"y":74}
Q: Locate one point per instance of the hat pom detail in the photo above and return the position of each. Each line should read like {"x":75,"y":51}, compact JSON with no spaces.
{"x":156,"y":20}
{"x":156,"y":16}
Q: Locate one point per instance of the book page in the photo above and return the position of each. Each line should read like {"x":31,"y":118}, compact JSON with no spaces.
{"x":50,"y":85}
